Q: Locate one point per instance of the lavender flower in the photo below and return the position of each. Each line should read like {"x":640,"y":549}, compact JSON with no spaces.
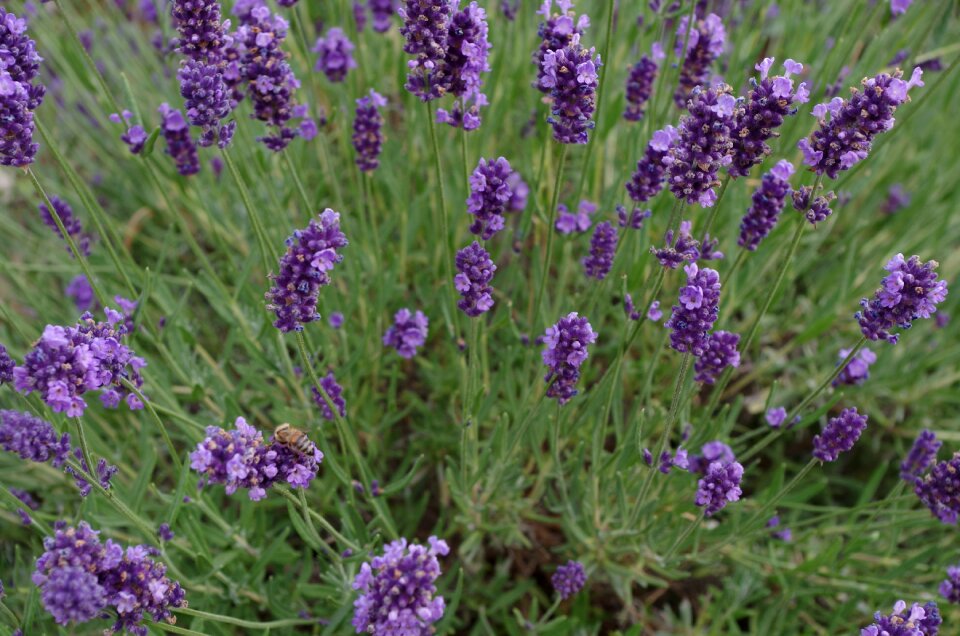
{"x":921,"y":455}
{"x":847,"y":137}
{"x":179,"y":144}
{"x":669,"y":461}
{"x":67,"y":362}
{"x":359,"y":15}
{"x":32,"y":439}
{"x":568,"y":222}
{"x":509,"y":9}
{"x":839,"y":435}
{"x":208,"y":101}
{"x":367,"y":135}
{"x":571,"y":75}
{"x":408,"y":333}
{"x":776,"y":417}
{"x":698,"y":307}
{"x":640,"y":82}
{"x":201,"y":32}
{"x":630,"y":309}
{"x":704,"y":45}
{"x":465,"y":59}
{"x":135,"y":137}
{"x":20,"y":64}
{"x":603,"y":247}
{"x":569,"y":579}
{"x":556,"y":32}
{"x":634,"y":219}
{"x":950,"y":587}
{"x":857,"y":370}
{"x":720,"y":353}
{"x":647,"y":180}
{"x":897,"y":199}
{"x":164,"y":533}
{"x":715,"y":451}
{"x":240,"y":458}
{"x":768,"y":202}
{"x":311,"y":253}
{"x":398,"y":594}
{"x":816,"y":211}
{"x":335,"y":319}
{"x":425,"y":27}
{"x":768,"y":102}
{"x":79,"y":577}
{"x":704,"y":145}
{"x":939,"y":489}
{"x":382,"y":11}
{"x":334,"y":55}
{"x":17,"y":147}
{"x":653,"y":312}
{"x":565,"y":349}
{"x":6,"y":366}
{"x":493,"y":189}
{"x":784,"y":534}
{"x":720,"y":485}
{"x":335,"y":392}
{"x":104,"y":473}
{"x":911,"y":291}
{"x":917,"y":621}
{"x":679,"y":247}
{"x":475,"y":271}
{"x":70,"y":223}
{"x":899,"y":7}
{"x":708,"y":249}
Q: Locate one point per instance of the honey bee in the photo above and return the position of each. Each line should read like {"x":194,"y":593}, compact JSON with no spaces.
{"x":294,"y":439}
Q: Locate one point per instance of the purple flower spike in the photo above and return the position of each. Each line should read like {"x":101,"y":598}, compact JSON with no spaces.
{"x":398,"y":592}
{"x":408,"y":333}
{"x":367,"y":131}
{"x":648,"y":179}
{"x":848,"y":135}
{"x":640,"y":82}
{"x":839,"y":435}
{"x":705,"y":44}
{"x":381,"y":11}
{"x":208,"y":101}
{"x":567,"y":222}
{"x":32,"y":439}
{"x":569,"y":579}
{"x":571,"y":75}
{"x":334,"y":55}
{"x":768,"y":103}
{"x":719,"y":486}
{"x":897,"y":199}
{"x":922,"y":454}
{"x":465,"y":60}
{"x":80,"y":291}
{"x":634,"y":220}
{"x":6,"y":366}
{"x":475,"y":270}
{"x":311,"y":254}
{"x":679,"y":247}
{"x":916,"y":621}
{"x":950,"y":587}
{"x":899,"y":7}
{"x":603,"y":247}
{"x":698,"y":307}
{"x":565,"y":349}
{"x":816,"y":211}
{"x":857,"y":370}
{"x":70,"y":222}
{"x":939,"y":490}
{"x":494,"y":189}
{"x":704,"y":145}
{"x":180,"y":145}
{"x":425,"y":27}
{"x":556,"y":32}
{"x":335,"y":392}
{"x":776,"y":417}
{"x":715,"y":451}
{"x":19,"y":96}
{"x":720,"y":353}
{"x":911,"y":291}
{"x":201,"y":31}
{"x":768,"y":202}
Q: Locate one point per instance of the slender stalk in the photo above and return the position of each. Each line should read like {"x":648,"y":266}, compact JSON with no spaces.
{"x":716,"y":206}
{"x":292,"y":169}
{"x":741,"y":256}
{"x":444,"y":221}
{"x":683,"y":537}
{"x":156,"y":418}
{"x":149,"y":532}
{"x":85,"y":448}
{"x":552,"y":213}
{"x":326,"y":525}
{"x":266,"y":252}
{"x":17,"y":504}
{"x":8,"y":614}
{"x":239,"y":622}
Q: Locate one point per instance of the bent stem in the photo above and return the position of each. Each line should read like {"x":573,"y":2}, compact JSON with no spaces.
{"x":239,"y":622}
{"x":141,"y":524}
{"x":308,"y":511}
{"x":683,"y":537}
{"x":552,"y":214}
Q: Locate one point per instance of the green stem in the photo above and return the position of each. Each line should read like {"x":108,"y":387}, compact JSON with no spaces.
{"x":156,"y":418}
{"x":444,"y":221}
{"x":292,"y":169}
{"x":266,"y":252}
{"x":149,"y":532}
{"x":552,"y":214}
{"x":716,"y":207}
{"x":8,"y":613}
{"x":17,"y":504}
{"x":683,"y":537}
{"x":326,"y":525}
{"x":833,"y":376}
{"x":239,"y":622}
{"x":85,"y":448}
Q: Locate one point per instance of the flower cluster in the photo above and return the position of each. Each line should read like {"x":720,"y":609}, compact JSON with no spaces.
{"x":640,"y":81}
{"x":334,"y":391}
{"x":201,"y":32}
{"x":703,"y":146}
{"x":367,"y":130}
{"x":408,"y":332}
{"x":603,"y":247}
{"x":104,"y":473}
{"x":465,"y":59}
{"x":571,"y":75}
{"x":565,"y":349}
{"x":179,"y":144}
{"x":569,"y":222}
{"x":768,"y":202}
{"x":815,"y":211}
{"x":693,"y":317}
{"x":398,"y":594}
{"x":703,"y":46}
{"x":720,"y":353}
{"x":950,"y":587}
{"x":425,"y":28}
{"x":634,"y":219}
{"x":311,"y":253}
{"x":70,"y":223}
{"x":19,"y":96}
{"x":711,"y":452}
{"x":475,"y":270}
{"x":208,"y":101}
{"x":569,"y":579}
{"x":939,"y":489}
{"x":381,"y":11}
{"x":783,"y":534}
{"x":679,"y":247}
{"x":911,"y":291}
{"x":858,"y":369}
{"x":719,"y":486}
{"x":67,"y":362}
{"x":839,"y":435}
{"x":240,"y":458}
{"x":918,"y":620}
{"x":556,"y":32}
{"x":897,"y":199}
{"x":334,"y":55}
{"x":32,"y":439}
{"x":648,"y":178}
{"x":79,"y":577}
{"x":922,"y":454}
{"x":494,"y":188}
{"x":6,"y":366}
{"x":848,"y":135}
{"x":768,"y":102}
